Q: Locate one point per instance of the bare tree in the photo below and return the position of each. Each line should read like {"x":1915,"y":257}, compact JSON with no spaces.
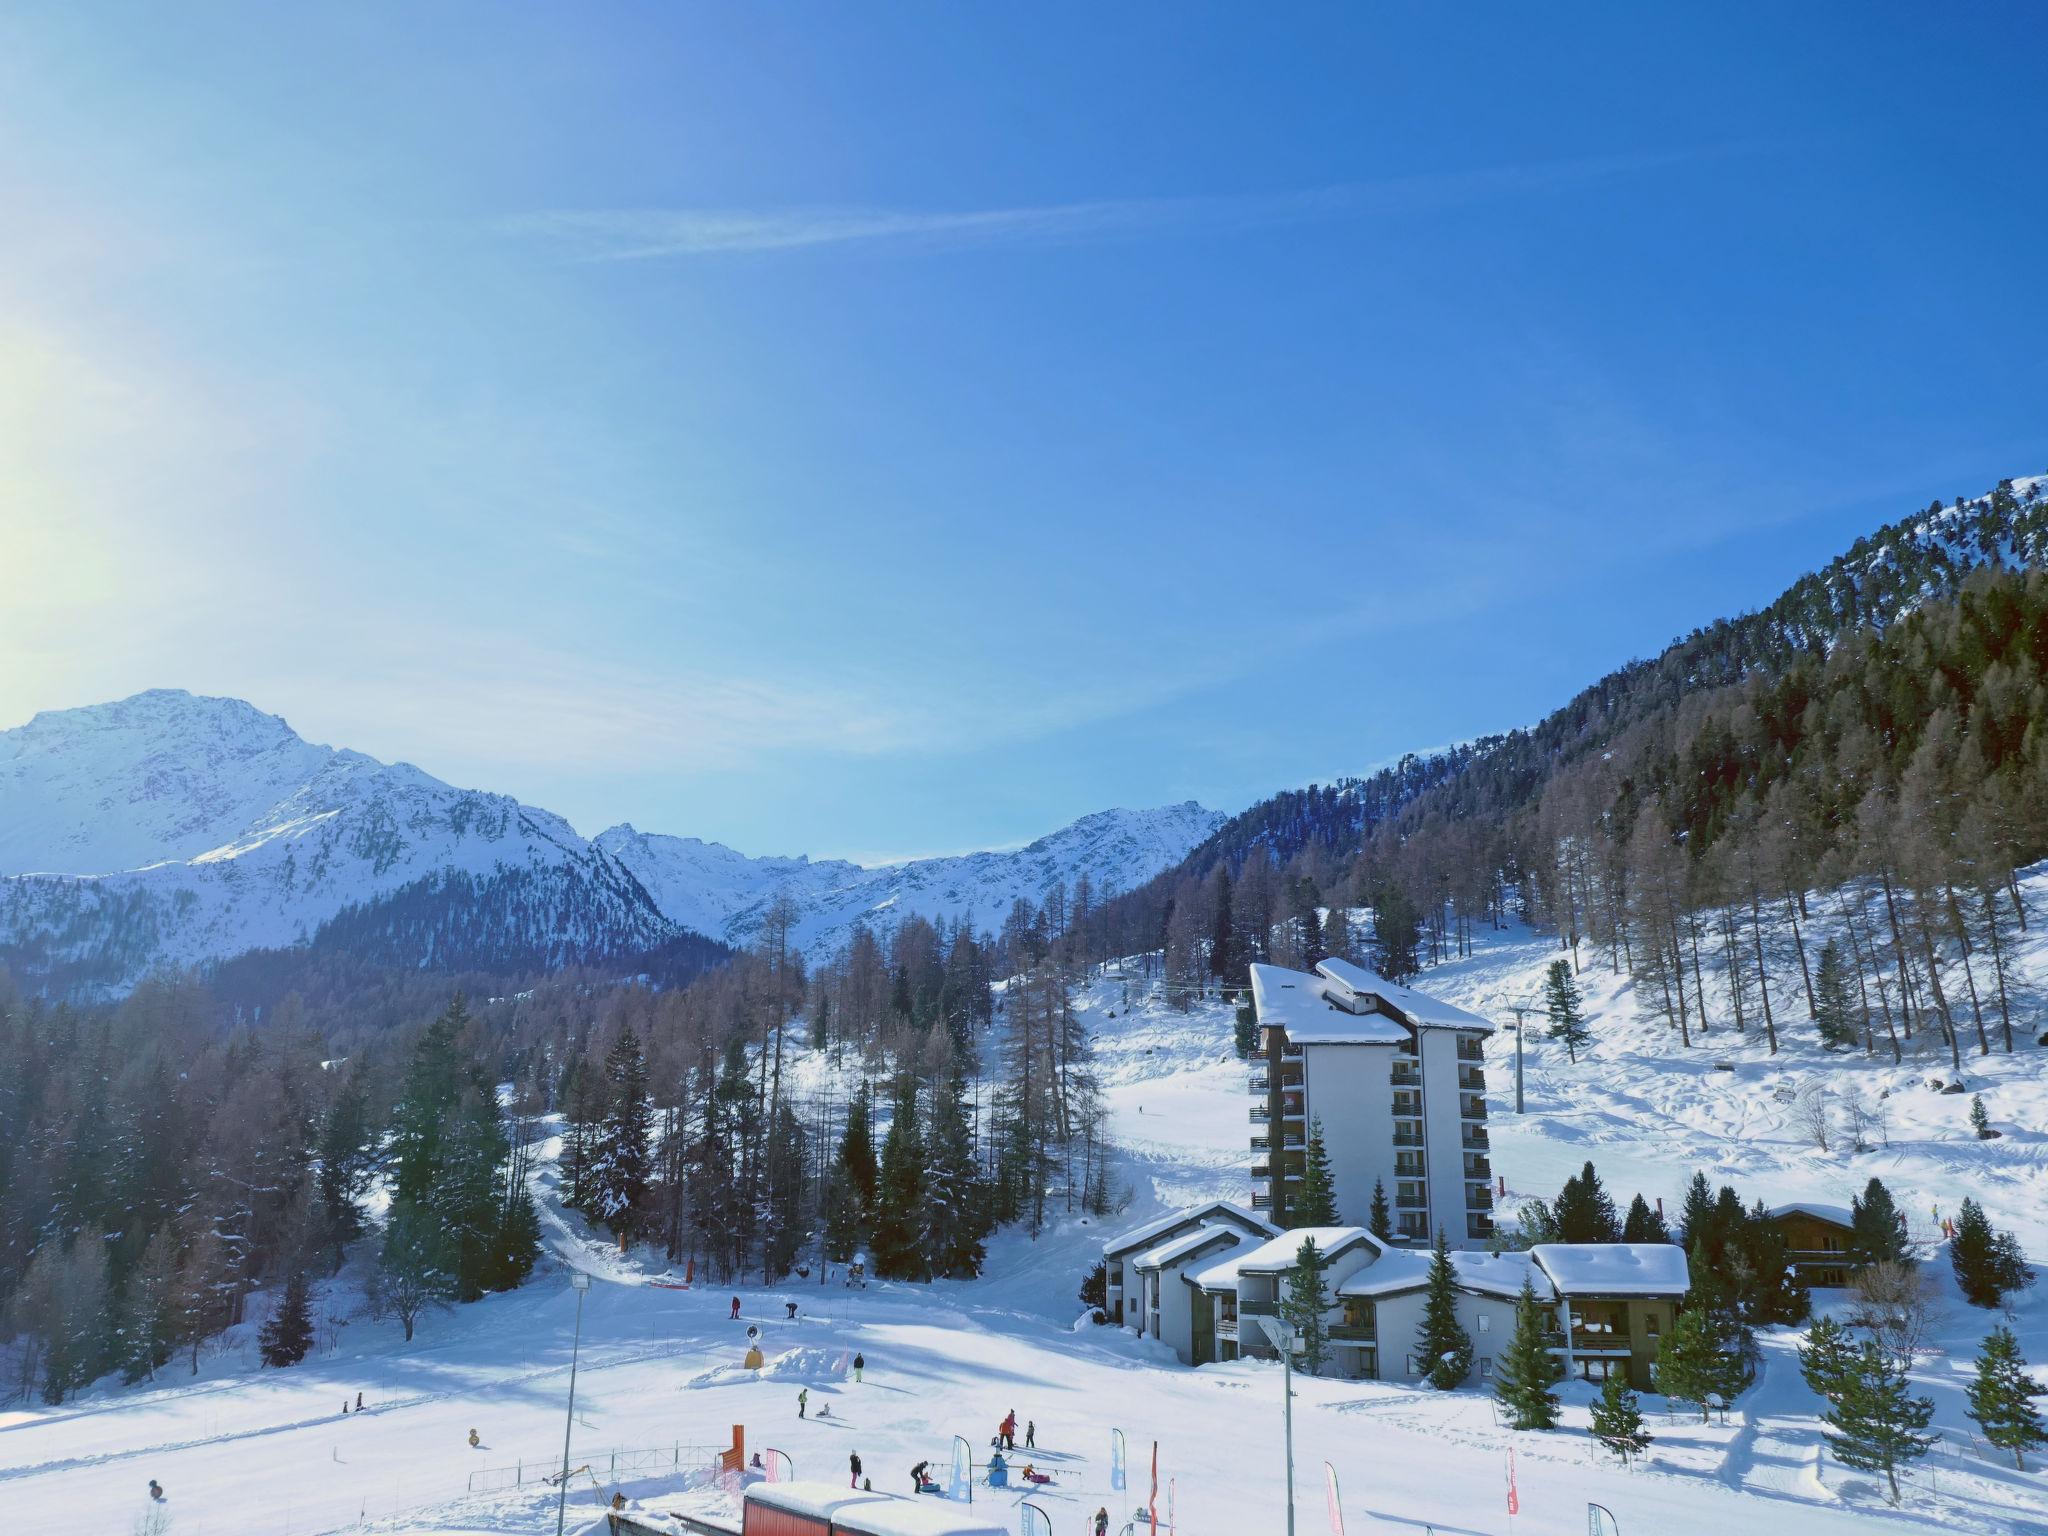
{"x":1896,"y":1302}
{"x":1813,"y":1114}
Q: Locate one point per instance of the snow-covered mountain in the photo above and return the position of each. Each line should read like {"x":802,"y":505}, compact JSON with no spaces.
{"x":171,"y":828}
{"x":711,"y":888}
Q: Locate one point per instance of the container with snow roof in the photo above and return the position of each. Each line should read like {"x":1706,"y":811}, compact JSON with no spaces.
{"x":825,"y":1509}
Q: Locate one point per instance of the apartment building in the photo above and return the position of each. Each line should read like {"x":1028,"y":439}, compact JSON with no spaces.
{"x":1397,"y":1080}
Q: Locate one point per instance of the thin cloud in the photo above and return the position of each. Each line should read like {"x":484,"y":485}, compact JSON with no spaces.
{"x":644,"y":234}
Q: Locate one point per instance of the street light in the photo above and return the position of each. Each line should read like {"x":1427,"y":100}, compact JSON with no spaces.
{"x":1286,"y":1341}
{"x":579,"y":1282}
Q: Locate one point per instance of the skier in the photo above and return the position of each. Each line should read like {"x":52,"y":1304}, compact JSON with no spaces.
{"x":792,"y":1310}
{"x":858,"y":1362}
{"x":803,"y":1401}
{"x":359,"y":1402}
{"x":474,"y":1442}
{"x":853,"y":1466}
{"x":1010,"y":1431}
{"x":156,"y":1491}
{"x":735,"y":1309}
{"x":1031,"y":1434}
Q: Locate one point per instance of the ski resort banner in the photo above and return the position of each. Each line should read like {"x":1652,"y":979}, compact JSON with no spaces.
{"x":776,"y":1466}
{"x":1600,"y":1521}
{"x":962,"y":1482}
{"x":1337,"y":1504}
{"x":1116,"y":1461}
{"x":1034,"y":1521}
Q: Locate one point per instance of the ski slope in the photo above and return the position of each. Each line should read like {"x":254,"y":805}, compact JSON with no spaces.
{"x":252,"y":1451}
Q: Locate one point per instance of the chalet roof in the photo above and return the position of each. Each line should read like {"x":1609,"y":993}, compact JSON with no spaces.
{"x":1213,"y":1213}
{"x":1835,"y":1215}
{"x":1302,"y":1004}
{"x":1482,"y":1274}
{"x":1614,"y":1269}
{"x":1175,"y":1249}
{"x":1417,"y":1008}
{"x":874,"y":1514}
{"x":1281,"y":1253}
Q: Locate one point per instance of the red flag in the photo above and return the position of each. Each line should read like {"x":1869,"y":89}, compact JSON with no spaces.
{"x":1514,"y":1498}
{"x":1152,"y":1504}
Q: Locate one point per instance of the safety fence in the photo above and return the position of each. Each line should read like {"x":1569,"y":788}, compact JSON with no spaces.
{"x":607,"y":1466}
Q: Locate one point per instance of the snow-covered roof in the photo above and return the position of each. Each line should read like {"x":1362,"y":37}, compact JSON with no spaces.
{"x":871,"y":1514}
{"x":1483,"y":1274}
{"x":1284,"y":1251}
{"x":1840,"y":1215}
{"x":1418,"y":1008}
{"x":1175,"y":1249}
{"x":1614,"y":1269}
{"x":1301,"y":1004}
{"x":1150,"y":1234}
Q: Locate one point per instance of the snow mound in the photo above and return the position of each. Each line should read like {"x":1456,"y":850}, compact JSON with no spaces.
{"x":800,"y":1365}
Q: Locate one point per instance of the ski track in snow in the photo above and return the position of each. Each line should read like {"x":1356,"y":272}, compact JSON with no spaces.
{"x":248,"y":1451}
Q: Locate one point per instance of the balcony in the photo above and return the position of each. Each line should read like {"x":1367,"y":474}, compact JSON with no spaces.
{"x":1411,"y":1202}
{"x":1590,"y":1341}
{"x":1407,"y":1165}
{"x":1471,"y":1079}
{"x":1405,"y":1077}
{"x":1254,"y":1306}
{"x":1472,"y":1107}
{"x":1407,"y":1106}
{"x":1475,"y":1139}
{"x":1478,"y":1226}
{"x":1226,"y":1327}
{"x":1353,"y":1333}
{"x":1407,"y":1138}
{"x":1259,"y":1114}
{"x":1262,"y":1168}
{"x":1479,"y":1198}
{"x":1471,"y":1050}
{"x":1261,"y":1200}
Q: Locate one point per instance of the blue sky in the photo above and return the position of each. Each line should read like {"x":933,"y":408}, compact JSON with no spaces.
{"x":875,"y":430}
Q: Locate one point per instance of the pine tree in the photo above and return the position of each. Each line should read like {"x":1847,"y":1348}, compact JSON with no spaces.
{"x":899,"y":1192}
{"x":148,"y":1314}
{"x":1566,"y":1009}
{"x":1618,"y":1420}
{"x":841,"y":1215}
{"x":1528,"y":1369}
{"x":787,"y":1228}
{"x":955,"y":1199}
{"x":1980,"y":1118}
{"x":1825,"y":1359}
{"x":1443,"y":1346}
{"x":1875,"y":1425}
{"x":1694,"y":1364}
{"x":1877,"y":1231}
{"x":1696,"y":1216}
{"x":1836,"y":1015}
{"x":1316,"y":1204}
{"x":1642,"y":1224}
{"x":622,"y":1164}
{"x":2002,"y":1397}
{"x":1584,"y":1213}
{"x":857,"y":1152}
{"x":1379,"y":1220}
{"x":1305,"y":1305}
{"x":1988,"y":1263}
{"x":287,"y":1336}
{"x":347,"y":1160}
{"x":1396,"y":936}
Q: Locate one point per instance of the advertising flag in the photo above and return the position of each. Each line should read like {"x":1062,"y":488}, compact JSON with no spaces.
{"x":1514,"y":1498}
{"x":962,"y":1484}
{"x":1336,"y":1504}
{"x":1116,"y":1460}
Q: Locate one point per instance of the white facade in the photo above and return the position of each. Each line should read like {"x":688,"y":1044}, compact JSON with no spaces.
{"x":1396,"y":1081}
{"x":1122,"y":1299}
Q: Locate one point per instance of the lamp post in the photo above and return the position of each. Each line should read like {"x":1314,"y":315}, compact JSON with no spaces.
{"x":579,"y":1282}
{"x":1284,"y":1339}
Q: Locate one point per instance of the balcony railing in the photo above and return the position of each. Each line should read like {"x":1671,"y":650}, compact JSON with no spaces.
{"x":1472,"y":1109}
{"x":1477,"y":1167}
{"x":1408,"y":1167}
{"x":1261,"y":1200}
{"x":1590,"y":1341}
{"x":1480,"y":1199}
{"x":1407,"y":1108}
{"x":1407,"y":1138}
{"x":1471,"y":1050}
{"x":1472,"y":1079}
{"x":1478,"y":1226}
{"x":1259,"y":1114}
{"x":1255,"y":1307}
{"x":1475,"y":1139}
{"x":1356,"y":1333}
{"x":1405,"y":1077}
{"x":1226,"y":1327}
{"x":1411,"y":1202}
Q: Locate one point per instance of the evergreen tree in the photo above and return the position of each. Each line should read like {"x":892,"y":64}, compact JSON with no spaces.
{"x":347,"y":1160}
{"x":1875,"y":1425}
{"x":287,"y":1336}
{"x":1642,"y":1224}
{"x":1980,"y":1118}
{"x":1988,"y":1264}
{"x":787,"y":1228}
{"x":1618,"y":1420}
{"x":1316,"y":1204}
{"x":413,"y":1270}
{"x":1877,"y":1230}
{"x":2002,"y":1397}
{"x":1305,"y":1305}
{"x":1696,"y":1215}
{"x":621,"y":1165}
{"x":955,"y":1198}
{"x":1443,"y":1346}
{"x":841,"y":1215}
{"x":1695,"y":1365}
{"x":899,"y":1192}
{"x":1528,"y":1369}
{"x":1246,"y":1031}
{"x":857,"y":1152}
{"x":1396,"y":936}
{"x":1566,"y":1009}
{"x":1584,"y":1213}
{"x":1379,"y":1220}
{"x":148,"y":1308}
{"x":1825,"y":1359}
{"x":1835,"y":1013}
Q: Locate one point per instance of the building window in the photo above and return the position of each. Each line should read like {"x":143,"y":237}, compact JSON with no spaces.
{"x":1650,"y":1324}
{"x":1485,"y":1323}
{"x":1410,"y":1366}
{"x":1486,"y":1367}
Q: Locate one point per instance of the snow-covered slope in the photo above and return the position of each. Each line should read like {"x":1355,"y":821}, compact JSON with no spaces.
{"x":172,"y":828}
{"x":709,"y":887}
